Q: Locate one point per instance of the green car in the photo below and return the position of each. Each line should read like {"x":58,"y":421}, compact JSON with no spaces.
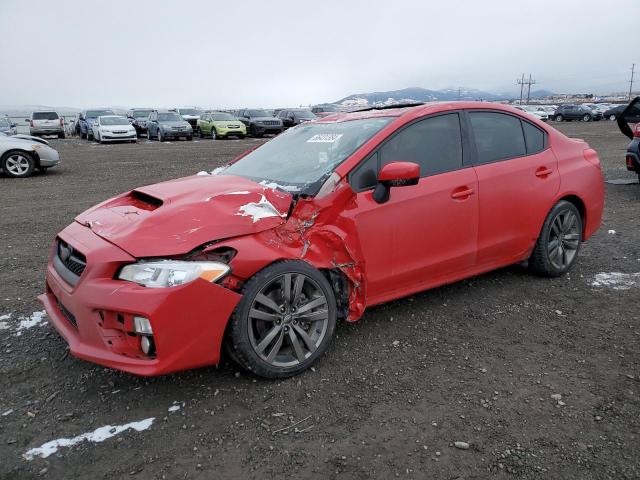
{"x":220,"y":125}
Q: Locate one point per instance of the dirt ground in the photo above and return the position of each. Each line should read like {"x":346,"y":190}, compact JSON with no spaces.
{"x":475,"y":362}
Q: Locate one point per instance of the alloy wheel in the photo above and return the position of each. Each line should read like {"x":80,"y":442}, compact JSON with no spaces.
{"x":288,"y":320}
{"x":17,"y":165}
{"x":564,"y":239}
{"x":213,"y":133}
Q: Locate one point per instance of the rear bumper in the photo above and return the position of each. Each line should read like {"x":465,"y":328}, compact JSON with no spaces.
{"x":46,"y":131}
{"x":95,"y":316}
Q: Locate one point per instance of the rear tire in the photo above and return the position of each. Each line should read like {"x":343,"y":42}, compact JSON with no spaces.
{"x":558,"y":118}
{"x":559,"y":242}
{"x":61,"y":135}
{"x":586,"y":117}
{"x":612,"y":118}
{"x":284,"y":321}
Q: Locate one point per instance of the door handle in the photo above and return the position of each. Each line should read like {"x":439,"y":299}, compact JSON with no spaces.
{"x":543,"y":172}
{"x":462,"y":193}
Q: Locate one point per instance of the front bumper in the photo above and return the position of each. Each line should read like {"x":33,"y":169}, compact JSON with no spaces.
{"x":224,"y":131}
{"x":263,"y":129}
{"x":48,"y":157}
{"x":95,"y":316}
{"x":177,"y":133}
{"x":114,"y":137}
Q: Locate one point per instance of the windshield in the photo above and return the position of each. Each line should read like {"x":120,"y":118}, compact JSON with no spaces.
{"x":306,"y":114}
{"x":169,"y":117}
{"x":114,"y":121}
{"x":189,"y":111}
{"x":223,"y":116}
{"x":303,"y":157}
{"x":4,"y":122}
{"x":97,"y":113}
{"x":141,"y":113}
{"x":258,"y":113}
{"x":45,"y":116}
{"x":326,"y":108}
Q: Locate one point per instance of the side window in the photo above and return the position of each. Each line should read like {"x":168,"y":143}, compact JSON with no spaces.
{"x":498,"y":136}
{"x":433,"y":143}
{"x":365,"y":175}
{"x":534,"y":137}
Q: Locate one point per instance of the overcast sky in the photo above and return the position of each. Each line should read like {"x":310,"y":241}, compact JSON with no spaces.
{"x":291,"y":52}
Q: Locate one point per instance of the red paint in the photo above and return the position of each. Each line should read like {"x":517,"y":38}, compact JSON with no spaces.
{"x":444,"y":228}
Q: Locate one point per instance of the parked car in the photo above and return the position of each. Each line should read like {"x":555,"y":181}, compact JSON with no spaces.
{"x":626,"y":120}
{"x":46,"y":123}
{"x":596,"y":107}
{"x":20,"y":155}
{"x":220,"y":125}
{"x":86,"y":120}
{"x":7,"y":126}
{"x":575,"y":112}
{"x":166,"y":124}
{"x":259,"y":122}
{"x":138,"y":118}
{"x":614,"y":112}
{"x":534,"y":111}
{"x":190,"y":114}
{"x":113,"y":128}
{"x":295,"y":116}
{"x":548,"y":109}
{"x":313,"y":227}
{"x":325,"y":109}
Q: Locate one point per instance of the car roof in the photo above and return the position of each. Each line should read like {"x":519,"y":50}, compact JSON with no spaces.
{"x":423,"y":109}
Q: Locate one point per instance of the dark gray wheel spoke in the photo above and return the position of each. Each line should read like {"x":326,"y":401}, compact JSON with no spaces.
{"x":264,"y":343}
{"x":297,"y":288}
{"x":296,"y":345}
{"x":316,"y":302}
{"x":305,"y":338}
{"x":267,"y":302}
{"x":276,"y":348}
{"x":568,"y":221}
{"x":314,"y":316}
{"x":286,"y":289}
{"x":556,"y":226}
{"x":267,"y":317}
{"x":571,"y":244}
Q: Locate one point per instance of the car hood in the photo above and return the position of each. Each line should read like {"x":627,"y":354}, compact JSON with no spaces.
{"x":175,"y":217}
{"x":21,"y":139}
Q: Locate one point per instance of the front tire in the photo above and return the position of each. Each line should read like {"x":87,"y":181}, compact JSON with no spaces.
{"x":559,"y":242}
{"x":214,"y":134}
{"x":559,"y":118}
{"x":284,"y":321}
{"x":586,"y":117}
{"x":160,"y":137}
{"x":612,"y":118}
{"x":17,"y":164}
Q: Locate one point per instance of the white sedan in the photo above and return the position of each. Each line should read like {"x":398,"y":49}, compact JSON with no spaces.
{"x":533,"y":111}
{"x":113,"y":128}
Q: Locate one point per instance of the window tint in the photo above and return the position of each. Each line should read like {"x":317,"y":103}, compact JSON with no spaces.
{"x":498,"y":136}
{"x":434,"y":143}
{"x":45,"y":116}
{"x":366,"y":174}
{"x":534,"y":138}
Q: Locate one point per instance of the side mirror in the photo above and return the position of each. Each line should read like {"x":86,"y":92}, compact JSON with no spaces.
{"x":395,"y":174}
{"x":27,"y":120}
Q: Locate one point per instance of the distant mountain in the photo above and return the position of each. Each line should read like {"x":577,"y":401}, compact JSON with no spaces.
{"x":417,"y":94}
{"x":25,"y":110}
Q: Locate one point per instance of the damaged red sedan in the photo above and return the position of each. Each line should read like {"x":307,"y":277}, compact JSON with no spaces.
{"x":264,"y":256}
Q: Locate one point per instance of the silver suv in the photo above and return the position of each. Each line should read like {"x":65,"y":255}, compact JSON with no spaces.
{"x":46,"y":123}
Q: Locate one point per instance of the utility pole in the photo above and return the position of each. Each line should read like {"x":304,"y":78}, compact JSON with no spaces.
{"x":633,"y":67}
{"x":522,"y":82}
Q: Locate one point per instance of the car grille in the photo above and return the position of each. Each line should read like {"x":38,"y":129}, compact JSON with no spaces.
{"x":120,"y":131}
{"x":68,"y":262}
{"x":67,"y":314}
{"x":179,"y":128}
{"x":271,"y":122}
{"x":233,"y":126}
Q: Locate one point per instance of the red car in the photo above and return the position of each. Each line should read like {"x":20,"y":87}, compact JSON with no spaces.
{"x":316,"y":225}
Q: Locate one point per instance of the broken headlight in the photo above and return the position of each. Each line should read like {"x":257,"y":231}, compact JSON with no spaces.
{"x":171,"y":273}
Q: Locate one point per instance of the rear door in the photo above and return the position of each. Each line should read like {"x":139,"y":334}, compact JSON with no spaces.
{"x":517,"y":181}
{"x":424,"y":234}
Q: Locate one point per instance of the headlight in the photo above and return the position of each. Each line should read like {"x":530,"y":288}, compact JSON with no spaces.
{"x":171,"y":273}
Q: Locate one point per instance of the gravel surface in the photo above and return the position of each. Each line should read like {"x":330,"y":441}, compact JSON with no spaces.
{"x":505,"y":375}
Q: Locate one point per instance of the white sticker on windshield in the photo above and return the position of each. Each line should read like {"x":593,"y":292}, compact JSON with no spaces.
{"x":325,"y":138}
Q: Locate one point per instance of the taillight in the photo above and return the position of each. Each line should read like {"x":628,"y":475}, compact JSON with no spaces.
{"x":629,"y":161}
{"x":591,"y":156}
{"x":636,"y":130}
{"x":61,"y":122}
{"x":31,"y":123}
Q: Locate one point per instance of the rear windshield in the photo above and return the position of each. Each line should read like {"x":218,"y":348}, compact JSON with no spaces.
{"x":45,"y":116}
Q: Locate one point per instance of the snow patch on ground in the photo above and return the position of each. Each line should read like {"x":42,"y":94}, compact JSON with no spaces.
{"x":257,"y":211}
{"x":174,"y":408}
{"x":98,"y":435}
{"x":35,"y":320}
{"x":616,"y":280}
{"x":3,"y":324}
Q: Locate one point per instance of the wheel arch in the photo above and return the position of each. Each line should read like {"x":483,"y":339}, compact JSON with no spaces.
{"x":579,"y":204}
{"x":33,"y":153}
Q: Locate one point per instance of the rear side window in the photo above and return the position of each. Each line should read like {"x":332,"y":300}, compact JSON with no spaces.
{"x":534,"y":138}
{"x":45,"y":116}
{"x":433,"y":143}
{"x":498,"y":136}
